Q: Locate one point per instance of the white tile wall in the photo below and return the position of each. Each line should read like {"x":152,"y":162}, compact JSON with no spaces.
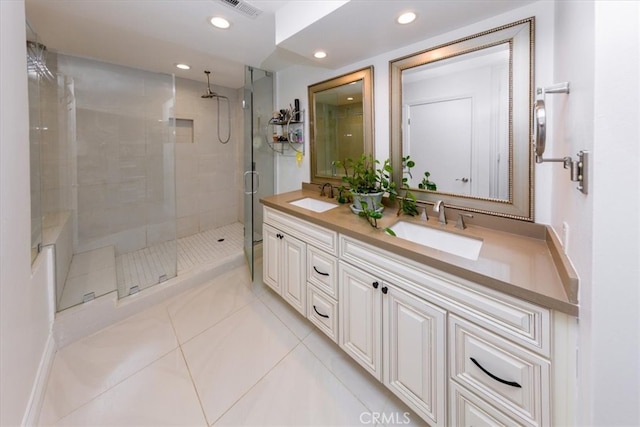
{"x":125,"y":161}
{"x":207,"y":172}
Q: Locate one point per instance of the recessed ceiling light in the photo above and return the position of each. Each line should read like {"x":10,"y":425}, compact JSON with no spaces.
{"x":220,"y":22}
{"x":320,"y":54}
{"x":183,"y":66}
{"x":406,"y":18}
{"x":350,"y":98}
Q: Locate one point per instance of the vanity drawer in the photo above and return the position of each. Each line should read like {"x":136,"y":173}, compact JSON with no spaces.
{"x":506,"y":375}
{"x":322,"y":311}
{"x":322,"y":271}
{"x":468,"y":410}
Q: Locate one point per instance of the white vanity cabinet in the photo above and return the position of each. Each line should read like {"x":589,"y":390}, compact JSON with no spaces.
{"x":285,"y":266}
{"x":299,"y":255}
{"x":456,"y":352}
{"x":361,"y":318}
{"x":491,"y":351}
{"x":414,"y":352}
{"x":396,"y":336}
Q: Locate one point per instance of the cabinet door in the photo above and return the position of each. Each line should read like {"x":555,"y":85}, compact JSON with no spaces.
{"x":415,"y":353}
{"x":293,"y":273}
{"x":360,"y":317}
{"x":271,"y":257}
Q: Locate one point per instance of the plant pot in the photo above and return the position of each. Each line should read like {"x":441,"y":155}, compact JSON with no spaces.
{"x":372,"y":200}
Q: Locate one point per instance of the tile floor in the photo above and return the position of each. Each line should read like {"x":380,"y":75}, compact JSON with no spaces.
{"x":228,"y":352}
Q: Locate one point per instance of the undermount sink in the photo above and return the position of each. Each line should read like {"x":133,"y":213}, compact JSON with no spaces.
{"x":466,"y":247}
{"x":313,"y":204}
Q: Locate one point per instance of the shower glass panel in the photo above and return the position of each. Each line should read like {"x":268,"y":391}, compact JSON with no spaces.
{"x":35,"y":134}
{"x":123,"y":184}
{"x":259,"y":159}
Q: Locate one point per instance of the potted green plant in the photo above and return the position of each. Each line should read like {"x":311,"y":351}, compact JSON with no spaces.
{"x":368,"y":182}
{"x":407,"y":202}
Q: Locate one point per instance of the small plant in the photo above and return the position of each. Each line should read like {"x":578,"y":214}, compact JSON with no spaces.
{"x":368,"y":181}
{"x":372,"y":215}
{"x":364,"y":176}
{"x":407,"y":203}
{"x":426,"y":184}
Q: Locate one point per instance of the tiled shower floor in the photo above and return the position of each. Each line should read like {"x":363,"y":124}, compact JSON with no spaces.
{"x":101,"y":272}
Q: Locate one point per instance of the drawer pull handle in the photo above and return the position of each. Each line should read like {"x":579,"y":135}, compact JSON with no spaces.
{"x":319,"y":314}
{"x":500,"y":380}
{"x":320,"y":272}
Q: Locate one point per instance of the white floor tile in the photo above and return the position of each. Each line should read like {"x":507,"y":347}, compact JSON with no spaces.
{"x":92,"y":365}
{"x":228,"y":359}
{"x":300,"y":391}
{"x":298,"y":324}
{"x":159,"y":395}
{"x":375,"y":396}
{"x":202,"y":307}
{"x":241,"y":362}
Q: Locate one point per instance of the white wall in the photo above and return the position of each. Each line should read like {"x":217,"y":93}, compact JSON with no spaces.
{"x":597,"y":49}
{"x":292,"y":83}
{"x":25,"y":311}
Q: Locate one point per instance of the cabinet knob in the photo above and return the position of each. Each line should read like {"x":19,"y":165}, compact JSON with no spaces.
{"x":375,"y":285}
{"x":385,"y":290}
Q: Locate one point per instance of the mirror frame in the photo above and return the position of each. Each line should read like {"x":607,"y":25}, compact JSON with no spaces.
{"x":364,"y":74}
{"x":520,"y":36}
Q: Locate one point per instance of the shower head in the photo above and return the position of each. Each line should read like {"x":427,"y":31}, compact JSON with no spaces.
{"x":36,"y":60}
{"x":208,"y":93}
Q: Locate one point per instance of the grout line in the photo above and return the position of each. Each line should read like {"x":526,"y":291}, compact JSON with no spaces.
{"x":186,"y":364}
{"x":259,"y":380}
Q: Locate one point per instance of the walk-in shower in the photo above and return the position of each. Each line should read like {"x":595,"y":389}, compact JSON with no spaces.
{"x":210,"y":94}
{"x":134,"y":204}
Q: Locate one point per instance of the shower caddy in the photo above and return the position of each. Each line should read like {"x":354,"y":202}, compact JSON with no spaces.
{"x":287,"y":132}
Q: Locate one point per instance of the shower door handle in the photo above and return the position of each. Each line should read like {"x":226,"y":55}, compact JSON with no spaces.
{"x":252,"y":174}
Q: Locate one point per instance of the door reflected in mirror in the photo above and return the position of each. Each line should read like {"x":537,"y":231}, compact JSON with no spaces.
{"x":459,"y":109}
{"x":341,"y":122}
{"x":462,"y":112}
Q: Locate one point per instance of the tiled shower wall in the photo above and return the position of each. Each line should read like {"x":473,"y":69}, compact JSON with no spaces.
{"x":208,"y":173}
{"x":123,"y":153}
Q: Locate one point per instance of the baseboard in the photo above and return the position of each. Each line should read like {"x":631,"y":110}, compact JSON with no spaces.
{"x":32,"y":414}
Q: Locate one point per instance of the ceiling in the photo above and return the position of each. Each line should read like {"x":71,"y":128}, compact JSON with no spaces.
{"x":155,"y":35}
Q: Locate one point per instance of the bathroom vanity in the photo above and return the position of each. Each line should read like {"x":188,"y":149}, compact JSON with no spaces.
{"x":461,"y":341}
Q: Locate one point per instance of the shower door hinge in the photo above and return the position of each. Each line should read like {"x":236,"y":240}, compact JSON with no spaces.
{"x":88,"y":297}
{"x":162,"y":278}
{"x":134,"y":289}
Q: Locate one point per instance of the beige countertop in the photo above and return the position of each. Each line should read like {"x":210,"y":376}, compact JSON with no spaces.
{"x":525,"y":262}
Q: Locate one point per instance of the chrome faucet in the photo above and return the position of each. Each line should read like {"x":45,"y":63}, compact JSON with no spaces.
{"x":439,"y":207}
{"x":322,"y":193}
{"x":460,"y":222}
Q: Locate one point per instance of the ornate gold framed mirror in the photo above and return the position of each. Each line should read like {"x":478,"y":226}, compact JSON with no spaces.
{"x":462,"y":111}
{"x":340,"y":122}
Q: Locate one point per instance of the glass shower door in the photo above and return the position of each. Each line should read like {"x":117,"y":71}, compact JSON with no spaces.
{"x":259,"y":162}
